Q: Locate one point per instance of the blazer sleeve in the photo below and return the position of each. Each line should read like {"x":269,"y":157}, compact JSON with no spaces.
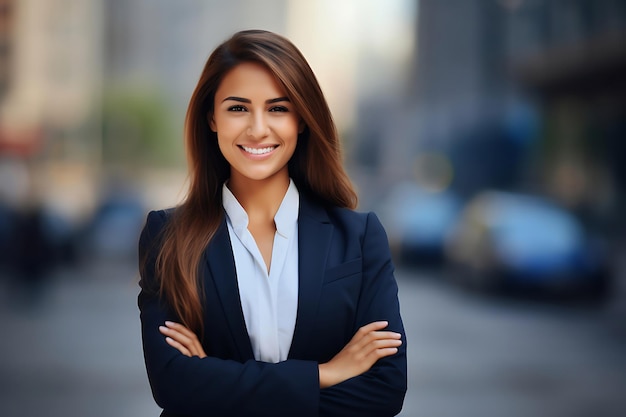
{"x":380,"y":391}
{"x":212,"y":386}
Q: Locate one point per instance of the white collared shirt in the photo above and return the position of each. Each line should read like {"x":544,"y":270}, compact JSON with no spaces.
{"x":269,"y":300}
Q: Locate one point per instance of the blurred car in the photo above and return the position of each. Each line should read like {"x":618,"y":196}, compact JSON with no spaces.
{"x":506,"y":240}
{"x":417,"y":221}
{"x":62,"y":234}
{"x":114,"y":228}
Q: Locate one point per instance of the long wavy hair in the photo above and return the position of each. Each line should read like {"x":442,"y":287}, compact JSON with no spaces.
{"x":316,"y":166}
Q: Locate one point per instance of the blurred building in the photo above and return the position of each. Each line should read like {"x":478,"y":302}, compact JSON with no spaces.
{"x":570,"y":57}
{"x":6,"y":40}
{"x":50,"y":70}
{"x":514,"y":94}
{"x":457,"y":89}
{"x":164,"y":45}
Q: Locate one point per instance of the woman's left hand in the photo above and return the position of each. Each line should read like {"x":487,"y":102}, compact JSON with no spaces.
{"x":183,"y":339}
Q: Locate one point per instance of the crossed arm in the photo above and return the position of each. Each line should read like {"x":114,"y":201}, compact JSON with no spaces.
{"x":369,"y":344}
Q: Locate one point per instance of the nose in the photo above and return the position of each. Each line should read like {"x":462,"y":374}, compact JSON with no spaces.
{"x":258,"y":127}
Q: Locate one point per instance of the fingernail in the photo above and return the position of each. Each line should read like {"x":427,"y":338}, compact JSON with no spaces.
{"x":169,"y":323}
{"x":162,"y":328}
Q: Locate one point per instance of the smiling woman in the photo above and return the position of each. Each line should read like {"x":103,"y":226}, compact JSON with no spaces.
{"x":257,"y":126}
{"x":264,"y":293}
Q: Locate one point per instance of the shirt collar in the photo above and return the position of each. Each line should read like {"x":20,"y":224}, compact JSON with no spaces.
{"x":286,"y":218}
{"x":237,"y":216}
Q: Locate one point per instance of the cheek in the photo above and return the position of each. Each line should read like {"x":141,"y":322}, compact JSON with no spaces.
{"x":228,"y":130}
{"x":224,"y":140}
{"x":225,"y":145}
{"x":290,"y":130}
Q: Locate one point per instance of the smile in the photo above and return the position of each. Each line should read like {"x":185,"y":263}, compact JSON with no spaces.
{"x":258,"y":151}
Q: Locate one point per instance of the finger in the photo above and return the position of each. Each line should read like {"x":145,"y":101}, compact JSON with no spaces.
{"x":375,"y":328}
{"x":372,"y":357}
{"x":384,"y":335}
{"x":193,"y":346}
{"x":178,"y":346}
{"x":181,"y":329}
{"x":387,"y":343}
{"x":366,"y":339}
{"x":364,"y":331}
{"x":375,"y":350}
{"x":173,"y":333}
{"x":382,"y":353}
{"x":177,"y":326}
{"x":176,"y":335}
{"x":381,"y":344}
{"x":190,"y":339}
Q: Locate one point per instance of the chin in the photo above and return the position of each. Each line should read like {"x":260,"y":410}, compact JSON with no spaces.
{"x":260,"y":176}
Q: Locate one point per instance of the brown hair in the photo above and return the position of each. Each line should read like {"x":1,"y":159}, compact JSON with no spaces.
{"x":316,"y":166}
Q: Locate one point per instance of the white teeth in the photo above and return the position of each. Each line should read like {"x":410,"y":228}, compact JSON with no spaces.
{"x":258,"y":151}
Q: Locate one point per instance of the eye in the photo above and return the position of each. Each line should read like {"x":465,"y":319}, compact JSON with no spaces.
{"x":237,"y":108}
{"x":279,"y":109}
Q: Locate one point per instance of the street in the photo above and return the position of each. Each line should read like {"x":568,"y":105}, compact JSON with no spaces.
{"x":472,"y":355}
{"x":78,"y":352}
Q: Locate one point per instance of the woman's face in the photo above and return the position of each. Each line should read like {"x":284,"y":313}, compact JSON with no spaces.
{"x":257,"y":126}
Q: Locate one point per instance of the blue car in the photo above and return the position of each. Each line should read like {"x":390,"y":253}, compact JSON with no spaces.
{"x":508,"y":240}
{"x":114,"y":229}
{"x":417,"y":221}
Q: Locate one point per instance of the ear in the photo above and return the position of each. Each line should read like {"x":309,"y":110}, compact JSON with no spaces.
{"x":211,"y":121}
{"x":301,"y":126}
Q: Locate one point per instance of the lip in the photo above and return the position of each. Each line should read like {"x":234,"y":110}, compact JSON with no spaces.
{"x":259,"y":156}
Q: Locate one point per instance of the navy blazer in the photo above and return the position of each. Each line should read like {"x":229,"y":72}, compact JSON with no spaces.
{"x":345,"y":282}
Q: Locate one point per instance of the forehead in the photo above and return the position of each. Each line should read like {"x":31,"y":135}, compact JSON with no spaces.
{"x":250,"y":80}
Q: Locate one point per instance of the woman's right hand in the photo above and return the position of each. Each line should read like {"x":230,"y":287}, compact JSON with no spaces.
{"x":368,"y":345}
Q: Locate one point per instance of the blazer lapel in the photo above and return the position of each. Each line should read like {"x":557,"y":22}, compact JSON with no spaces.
{"x":221,"y":263}
{"x":314,"y":234}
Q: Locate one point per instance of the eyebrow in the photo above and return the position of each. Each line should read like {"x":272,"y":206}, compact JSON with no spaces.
{"x":246,"y":100}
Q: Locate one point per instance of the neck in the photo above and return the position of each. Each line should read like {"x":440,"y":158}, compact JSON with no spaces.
{"x":260,"y":198}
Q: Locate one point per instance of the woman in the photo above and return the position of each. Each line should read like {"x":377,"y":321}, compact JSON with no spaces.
{"x":263,"y":293}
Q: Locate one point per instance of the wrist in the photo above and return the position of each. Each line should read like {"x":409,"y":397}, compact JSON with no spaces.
{"x":326,"y":375}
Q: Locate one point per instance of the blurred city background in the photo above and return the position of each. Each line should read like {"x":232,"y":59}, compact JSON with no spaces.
{"x":488,"y":135}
